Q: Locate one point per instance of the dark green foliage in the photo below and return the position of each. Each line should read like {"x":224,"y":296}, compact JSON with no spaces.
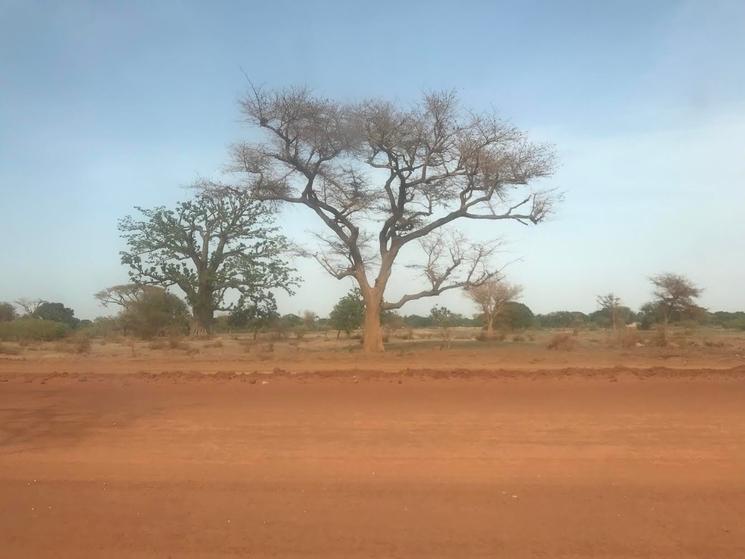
{"x":562,"y":319}
{"x":417,"y":321}
{"x":253,"y":317}
{"x":734,"y":320}
{"x":32,"y":329}
{"x":348,"y":313}
{"x":155,"y":313}
{"x":515,"y":316}
{"x":7,"y":312}
{"x":56,"y":312}
{"x":603,"y":318}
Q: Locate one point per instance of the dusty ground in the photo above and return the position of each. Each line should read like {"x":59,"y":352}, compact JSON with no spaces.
{"x":580,"y":463}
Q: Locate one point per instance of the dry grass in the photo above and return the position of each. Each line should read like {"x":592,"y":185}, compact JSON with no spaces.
{"x":628,"y":338}
{"x":564,"y":341}
{"x":9,"y":350}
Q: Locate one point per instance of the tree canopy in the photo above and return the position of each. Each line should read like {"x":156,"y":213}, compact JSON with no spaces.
{"x":381,"y":177}
{"x":675,"y":296}
{"x":219,"y":244}
{"x":56,"y":312}
{"x":491,"y":298}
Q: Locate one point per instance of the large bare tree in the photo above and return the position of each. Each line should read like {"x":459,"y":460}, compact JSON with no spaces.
{"x":381,"y":177}
{"x":491,"y":298}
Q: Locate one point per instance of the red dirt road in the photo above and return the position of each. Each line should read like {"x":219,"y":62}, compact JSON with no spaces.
{"x":584,"y":466}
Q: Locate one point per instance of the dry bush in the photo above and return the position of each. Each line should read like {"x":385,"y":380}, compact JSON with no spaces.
{"x":75,"y":344}
{"x":562,"y":341}
{"x":495,"y":337}
{"x":157,"y":344}
{"x":408,"y":334}
{"x":628,"y":337}
{"x":214,"y":343}
{"x":82,"y":344}
{"x":176,"y":342}
{"x":518,"y":338}
{"x":8,"y":350}
{"x":660,"y":338}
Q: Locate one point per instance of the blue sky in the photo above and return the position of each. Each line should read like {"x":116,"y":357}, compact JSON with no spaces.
{"x":106,"y":105}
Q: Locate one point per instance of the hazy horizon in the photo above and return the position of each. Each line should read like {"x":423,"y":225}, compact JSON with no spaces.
{"x":104,"y":107}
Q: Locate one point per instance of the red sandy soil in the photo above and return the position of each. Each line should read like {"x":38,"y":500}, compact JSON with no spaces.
{"x":553,"y":464}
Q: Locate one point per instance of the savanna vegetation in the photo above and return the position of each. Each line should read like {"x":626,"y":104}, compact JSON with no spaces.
{"x":380,"y":178}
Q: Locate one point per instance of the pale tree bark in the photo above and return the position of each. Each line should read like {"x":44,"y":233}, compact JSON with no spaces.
{"x":408,"y":172}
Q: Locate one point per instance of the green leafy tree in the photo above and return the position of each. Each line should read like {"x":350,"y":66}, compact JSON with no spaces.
{"x":562,"y":319}
{"x":220,"y":243}
{"x":348,"y":313}
{"x":254,"y":317}
{"x":56,"y":312}
{"x":516,"y":316}
{"x":674,"y":297}
{"x":7,"y":312}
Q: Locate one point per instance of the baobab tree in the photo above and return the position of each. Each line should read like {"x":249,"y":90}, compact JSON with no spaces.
{"x":381,"y":177}
{"x":220,"y":242}
{"x":491,"y":297}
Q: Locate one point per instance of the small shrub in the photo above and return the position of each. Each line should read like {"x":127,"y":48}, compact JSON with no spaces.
{"x":175,"y":342}
{"x":660,"y":338}
{"x":562,"y":341}
{"x":158,"y":344}
{"x":214,"y":343}
{"x":82,"y":344}
{"x":628,"y":337}
{"x":518,"y":338}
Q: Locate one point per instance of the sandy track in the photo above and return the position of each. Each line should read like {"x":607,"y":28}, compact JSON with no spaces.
{"x":591,"y":465}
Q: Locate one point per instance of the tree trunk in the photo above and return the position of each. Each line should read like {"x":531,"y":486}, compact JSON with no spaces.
{"x":372,"y":333}
{"x":203,"y":316}
{"x":490,"y":327}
